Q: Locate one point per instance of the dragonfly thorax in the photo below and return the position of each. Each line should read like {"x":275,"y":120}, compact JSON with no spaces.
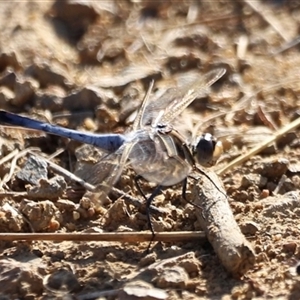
{"x":161,"y":157}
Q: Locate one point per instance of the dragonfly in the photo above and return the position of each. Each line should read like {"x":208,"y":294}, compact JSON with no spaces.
{"x":154,"y":149}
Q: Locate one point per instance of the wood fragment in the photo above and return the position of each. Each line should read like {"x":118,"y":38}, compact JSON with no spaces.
{"x":216,"y":219}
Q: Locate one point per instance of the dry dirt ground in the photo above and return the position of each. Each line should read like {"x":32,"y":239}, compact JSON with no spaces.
{"x":86,"y":65}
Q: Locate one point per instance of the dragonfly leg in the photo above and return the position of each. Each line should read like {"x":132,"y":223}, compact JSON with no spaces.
{"x":148,"y":200}
{"x":156,"y":191}
{"x":183,"y":194}
{"x":137,"y":184}
{"x":211,"y":180}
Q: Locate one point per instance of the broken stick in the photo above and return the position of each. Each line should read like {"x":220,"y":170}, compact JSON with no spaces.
{"x":219,"y":225}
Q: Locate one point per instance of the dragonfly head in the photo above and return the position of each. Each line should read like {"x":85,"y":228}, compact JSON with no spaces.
{"x":207,"y":150}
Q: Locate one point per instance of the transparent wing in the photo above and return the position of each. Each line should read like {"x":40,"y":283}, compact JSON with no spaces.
{"x":174,"y":101}
{"x":156,"y":107}
{"x":138,"y":120}
{"x":106,"y":173}
{"x":194,"y":91}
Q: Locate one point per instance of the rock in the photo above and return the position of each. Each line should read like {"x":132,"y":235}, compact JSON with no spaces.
{"x":6,"y":96}
{"x":253,"y":180}
{"x":24,"y":90}
{"x":75,"y":16}
{"x":40,"y":214}
{"x":188,"y":261}
{"x":8,"y":79}
{"x":62,"y":280}
{"x":173,"y":277}
{"x":249,"y":227}
{"x":272,"y":169}
{"x":65,"y":205}
{"x":10,"y":219}
{"x":48,"y":189}
{"x":9,"y":60}
{"x":18,"y":279}
{"x":86,"y":98}
{"x":47,"y":75}
{"x":148,"y":259}
{"x":141,"y":290}
{"x":34,"y":170}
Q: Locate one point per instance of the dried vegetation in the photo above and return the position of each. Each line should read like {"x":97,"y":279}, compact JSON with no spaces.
{"x":87,"y":65}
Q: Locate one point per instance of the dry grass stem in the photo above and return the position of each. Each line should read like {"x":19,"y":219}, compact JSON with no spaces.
{"x":241,"y":159}
{"x":269,"y":17}
{"x":286,"y":46}
{"x":9,"y":156}
{"x":8,"y":176}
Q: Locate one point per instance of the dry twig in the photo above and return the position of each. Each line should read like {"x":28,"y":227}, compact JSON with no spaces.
{"x":221,"y":229}
{"x":129,"y":237}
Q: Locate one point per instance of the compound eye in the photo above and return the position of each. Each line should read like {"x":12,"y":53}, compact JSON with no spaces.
{"x":207,"y":150}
